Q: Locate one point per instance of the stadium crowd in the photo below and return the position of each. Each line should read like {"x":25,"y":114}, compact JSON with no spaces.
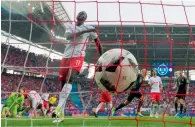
{"x":17,"y":57}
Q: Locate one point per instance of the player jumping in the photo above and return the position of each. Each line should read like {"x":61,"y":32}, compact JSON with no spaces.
{"x":134,"y":93}
{"x":183,"y":88}
{"x":13,"y":104}
{"x":156,"y":87}
{"x":73,"y":58}
{"x":105,"y":98}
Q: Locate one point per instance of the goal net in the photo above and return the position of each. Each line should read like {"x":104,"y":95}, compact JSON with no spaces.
{"x":160,"y":34}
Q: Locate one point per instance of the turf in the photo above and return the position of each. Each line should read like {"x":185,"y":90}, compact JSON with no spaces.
{"x":101,"y":122}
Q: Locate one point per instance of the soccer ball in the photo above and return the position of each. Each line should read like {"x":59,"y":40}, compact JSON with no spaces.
{"x":116,"y":69}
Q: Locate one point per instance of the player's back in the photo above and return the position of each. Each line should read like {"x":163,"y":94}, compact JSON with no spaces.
{"x":14,"y":97}
{"x":155,"y":83}
{"x":34,"y":95}
{"x":11,"y":98}
{"x":52,"y":100}
{"x":77,"y":45}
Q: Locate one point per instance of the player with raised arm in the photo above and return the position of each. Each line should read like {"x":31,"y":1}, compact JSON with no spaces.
{"x":73,"y":58}
{"x":183,"y":88}
{"x":13,"y":104}
{"x":135,"y":87}
{"x":105,"y":98}
{"x":156,"y":88}
{"x":36,"y":102}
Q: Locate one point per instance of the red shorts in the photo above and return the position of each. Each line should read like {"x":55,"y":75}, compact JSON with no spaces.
{"x":74,"y":63}
{"x":155,"y":97}
{"x":105,"y":97}
{"x":45,"y":104}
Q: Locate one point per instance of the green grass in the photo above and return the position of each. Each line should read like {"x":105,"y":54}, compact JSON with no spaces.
{"x":101,"y":122}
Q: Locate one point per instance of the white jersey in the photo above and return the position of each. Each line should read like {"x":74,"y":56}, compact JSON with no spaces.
{"x":155,"y":83}
{"x":35,"y":98}
{"x":45,"y":96}
{"x":77,"y":45}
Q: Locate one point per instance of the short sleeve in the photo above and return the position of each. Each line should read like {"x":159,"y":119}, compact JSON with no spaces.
{"x":69,"y":29}
{"x":93,"y":35}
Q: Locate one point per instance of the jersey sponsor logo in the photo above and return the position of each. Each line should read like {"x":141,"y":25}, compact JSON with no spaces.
{"x":155,"y":82}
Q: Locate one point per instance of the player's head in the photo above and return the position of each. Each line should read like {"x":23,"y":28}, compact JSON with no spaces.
{"x":81,"y":17}
{"x":180,"y":74}
{"x":144,"y":72}
{"x":154,"y":72}
{"x":21,"y":91}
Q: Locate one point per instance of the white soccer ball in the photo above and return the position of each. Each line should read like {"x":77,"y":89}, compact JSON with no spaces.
{"x":116,"y":70}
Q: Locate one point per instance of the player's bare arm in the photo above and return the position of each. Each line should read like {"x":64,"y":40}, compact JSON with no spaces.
{"x":187,"y":88}
{"x":175,"y":86}
{"x":97,"y":42}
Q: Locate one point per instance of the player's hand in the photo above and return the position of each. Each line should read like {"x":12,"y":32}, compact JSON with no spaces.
{"x":187,"y":93}
{"x":173,"y":88}
{"x":161,"y":89}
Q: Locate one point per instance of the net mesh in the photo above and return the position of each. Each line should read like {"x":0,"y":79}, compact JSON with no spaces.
{"x":145,"y":14}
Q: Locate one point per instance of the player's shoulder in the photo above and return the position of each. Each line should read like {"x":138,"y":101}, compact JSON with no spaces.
{"x":22,"y":97}
{"x":151,"y":78}
{"x":139,"y":76}
{"x":13,"y":94}
{"x":84,"y":26}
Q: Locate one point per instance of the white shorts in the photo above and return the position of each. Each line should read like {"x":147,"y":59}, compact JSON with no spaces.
{"x":35,"y":99}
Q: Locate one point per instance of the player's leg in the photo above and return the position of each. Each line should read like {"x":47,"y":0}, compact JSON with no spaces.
{"x":76,"y":64}
{"x":108,"y":99}
{"x":182,"y":106}
{"x":101,"y":104}
{"x":5,"y":112}
{"x":158,"y":98}
{"x":176,"y":105}
{"x":33,"y":105}
{"x":110,"y":106}
{"x":65,"y":86}
{"x":13,"y":111}
{"x":141,"y":97}
{"x":129,"y":99}
{"x":153,"y":106}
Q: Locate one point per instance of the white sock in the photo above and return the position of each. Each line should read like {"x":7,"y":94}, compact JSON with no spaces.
{"x":158,"y":109}
{"x":151,"y":109}
{"x":110,"y":106}
{"x":98,"y":108}
{"x":155,"y":108}
{"x":64,"y":95}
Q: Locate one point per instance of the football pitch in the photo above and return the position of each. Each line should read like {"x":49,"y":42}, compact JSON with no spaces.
{"x":101,"y":122}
